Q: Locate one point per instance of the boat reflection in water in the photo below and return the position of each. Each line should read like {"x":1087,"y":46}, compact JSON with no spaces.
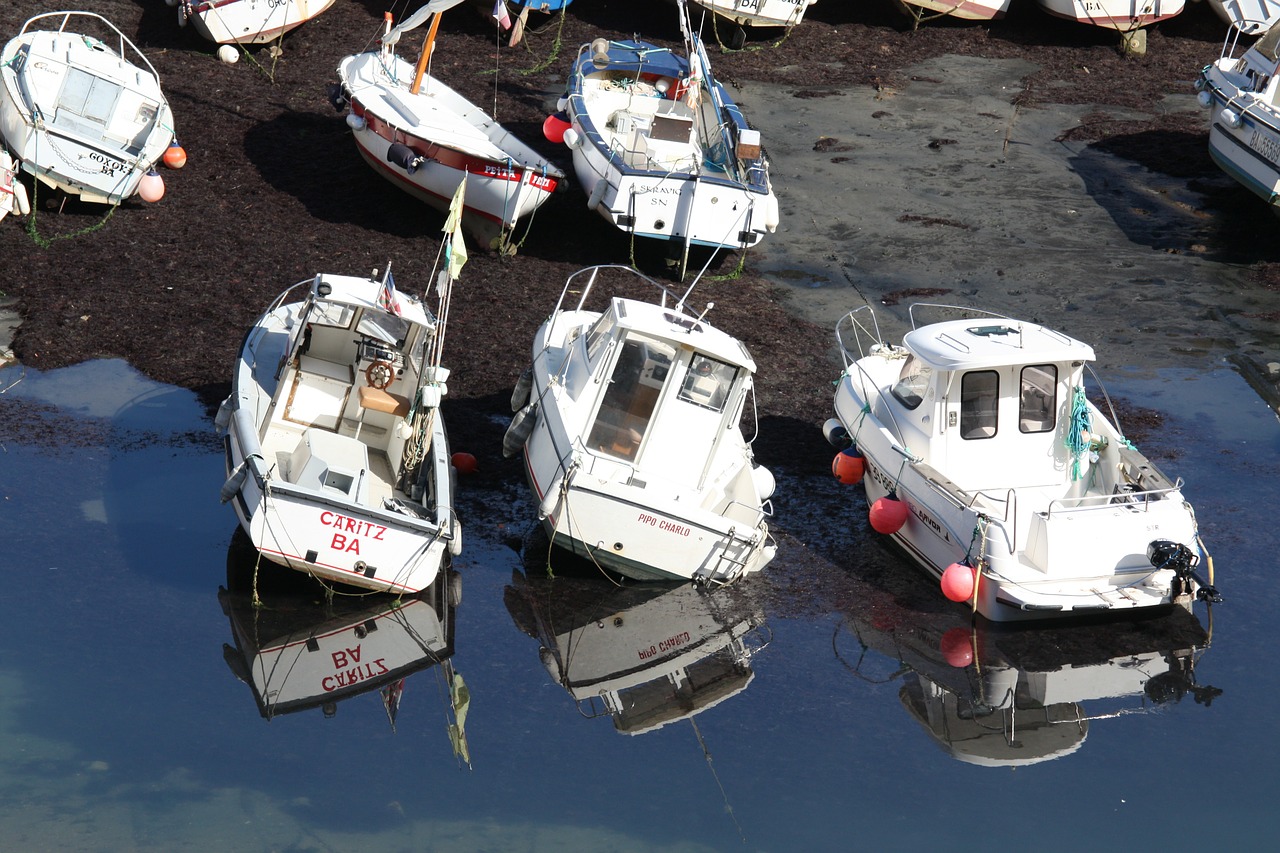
{"x":1000,"y":697}
{"x":299,"y":648}
{"x":645,"y":654}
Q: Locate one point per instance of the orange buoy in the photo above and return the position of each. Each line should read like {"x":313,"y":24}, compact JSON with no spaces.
{"x":957,"y":582}
{"x":464,"y":462}
{"x":151,"y":187}
{"x":554,"y":126}
{"x":848,"y":466}
{"x":888,"y":514}
{"x":175,"y":156}
{"x":956,"y":646}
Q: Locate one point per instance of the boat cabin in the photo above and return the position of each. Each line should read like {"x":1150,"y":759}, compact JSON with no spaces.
{"x":662,"y":388}
{"x":988,"y":400}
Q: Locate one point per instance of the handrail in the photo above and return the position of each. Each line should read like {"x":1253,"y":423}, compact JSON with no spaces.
{"x":66,"y":17}
{"x":1096,"y":501}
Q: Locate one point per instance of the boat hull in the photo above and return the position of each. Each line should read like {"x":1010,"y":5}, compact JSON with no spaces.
{"x":967,"y":10}
{"x":247,"y":21}
{"x":79,"y":116}
{"x":311,"y":465}
{"x":660,"y":166}
{"x":1120,"y":15}
{"x":759,"y":13}
{"x":1045,"y":552}
{"x":428,"y":143}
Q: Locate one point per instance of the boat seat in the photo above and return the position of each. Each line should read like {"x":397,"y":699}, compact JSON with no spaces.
{"x":383,"y":401}
{"x":326,"y":461}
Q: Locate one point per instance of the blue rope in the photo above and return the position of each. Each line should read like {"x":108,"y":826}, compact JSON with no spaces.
{"x":1077,"y":438}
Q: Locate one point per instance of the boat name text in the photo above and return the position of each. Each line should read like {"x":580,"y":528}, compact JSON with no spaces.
{"x":665,"y":646}
{"x":348,"y":540}
{"x":350,"y":670}
{"x":109,"y":165}
{"x":663,"y":524}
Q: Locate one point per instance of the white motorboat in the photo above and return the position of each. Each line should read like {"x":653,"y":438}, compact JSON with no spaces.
{"x":1122,"y":15}
{"x":13,"y":195}
{"x":984,"y":459}
{"x":1012,"y":698}
{"x":644,"y":655}
{"x":661,"y":149}
{"x":629,"y":418}
{"x":967,"y":10}
{"x":83,"y":115}
{"x":296,"y":654}
{"x":1239,"y":89}
{"x":758,"y":13}
{"x":1251,"y":17}
{"x":246,"y":21}
{"x":425,"y":138}
{"x":336,"y":455}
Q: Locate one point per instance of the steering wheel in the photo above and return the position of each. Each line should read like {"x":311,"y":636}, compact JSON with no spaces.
{"x":379,"y":374}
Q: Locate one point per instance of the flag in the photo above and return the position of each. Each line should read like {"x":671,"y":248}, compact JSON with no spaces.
{"x":455,"y":248}
{"x":500,"y":14}
{"x":387,"y":300}
{"x":391,"y":700}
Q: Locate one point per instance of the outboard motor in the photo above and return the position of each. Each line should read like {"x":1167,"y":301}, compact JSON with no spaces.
{"x":1167,"y":554}
{"x":336,"y":98}
{"x":404,"y":157}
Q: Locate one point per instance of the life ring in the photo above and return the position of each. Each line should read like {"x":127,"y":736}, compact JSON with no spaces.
{"x":379,"y":374}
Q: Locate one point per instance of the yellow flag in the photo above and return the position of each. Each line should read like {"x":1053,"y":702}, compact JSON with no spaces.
{"x":455,"y":248}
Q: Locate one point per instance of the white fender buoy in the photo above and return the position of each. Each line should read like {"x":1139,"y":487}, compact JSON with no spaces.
{"x":223,"y":418}
{"x":571,"y":138}
{"x":836,"y":435}
{"x":355,"y":122}
{"x":235,"y":482}
{"x":764,"y":481}
{"x":20,"y":197}
{"x":455,"y":541}
{"x":597,"y":194}
{"x":521,"y":428}
{"x":551,"y":498}
{"x":520,"y":393}
{"x":228,"y":54}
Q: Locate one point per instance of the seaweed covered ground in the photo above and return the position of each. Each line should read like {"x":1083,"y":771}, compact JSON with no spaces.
{"x":274,"y":190}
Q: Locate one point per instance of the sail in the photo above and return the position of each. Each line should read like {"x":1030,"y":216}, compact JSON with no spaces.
{"x":417,"y":19}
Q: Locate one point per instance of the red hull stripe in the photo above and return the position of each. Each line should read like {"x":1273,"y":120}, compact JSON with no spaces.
{"x":497,"y":170}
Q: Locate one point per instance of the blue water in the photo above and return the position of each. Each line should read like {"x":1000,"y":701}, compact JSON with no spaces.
{"x":123,"y":728}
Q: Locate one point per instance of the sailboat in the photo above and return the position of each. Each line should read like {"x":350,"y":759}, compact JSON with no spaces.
{"x":425,"y":138}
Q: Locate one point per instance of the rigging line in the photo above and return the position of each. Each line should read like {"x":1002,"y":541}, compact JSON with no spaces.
{"x":727,"y":805}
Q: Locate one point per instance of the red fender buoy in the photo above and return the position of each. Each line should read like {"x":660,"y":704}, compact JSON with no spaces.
{"x":888,"y":514}
{"x":554,"y":126}
{"x":848,"y":466}
{"x":464,"y":462}
{"x":958,"y":582}
{"x":956,"y":646}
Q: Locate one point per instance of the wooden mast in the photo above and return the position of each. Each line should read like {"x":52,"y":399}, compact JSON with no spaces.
{"x":426,"y":54}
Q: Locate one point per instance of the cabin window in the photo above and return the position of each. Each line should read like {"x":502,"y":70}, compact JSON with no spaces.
{"x":331,"y":314}
{"x":913,"y":381}
{"x":708,"y":382}
{"x":638,"y":376}
{"x":1038,"y":398}
{"x":386,"y":328}
{"x":979,"y":391}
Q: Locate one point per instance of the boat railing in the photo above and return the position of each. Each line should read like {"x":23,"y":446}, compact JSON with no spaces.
{"x":593,"y":273}
{"x":124,"y":40}
{"x":860,"y":331}
{"x":1137,"y":498}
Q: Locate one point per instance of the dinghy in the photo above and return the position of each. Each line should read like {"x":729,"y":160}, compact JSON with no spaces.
{"x":629,"y":419}
{"x":13,"y":195}
{"x":643,"y":655}
{"x":661,"y":149}
{"x":425,"y":138}
{"x":1239,"y":90}
{"x":246,"y":21}
{"x":985,"y":461}
{"x":336,"y":455}
{"x":83,"y":115}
